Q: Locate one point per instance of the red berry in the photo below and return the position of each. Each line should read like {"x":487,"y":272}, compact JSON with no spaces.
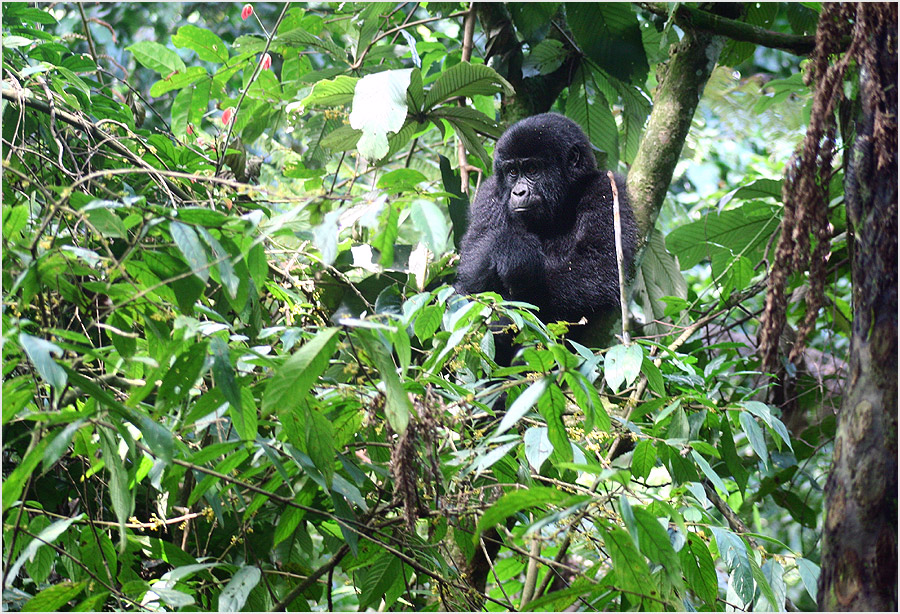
{"x":246,"y":11}
{"x":226,"y":116}
{"x":266,"y":62}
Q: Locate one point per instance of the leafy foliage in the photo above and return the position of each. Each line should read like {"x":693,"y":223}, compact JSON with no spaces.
{"x":235,"y":376}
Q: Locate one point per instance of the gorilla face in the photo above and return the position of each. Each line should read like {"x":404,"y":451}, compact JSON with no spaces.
{"x":537,"y":161}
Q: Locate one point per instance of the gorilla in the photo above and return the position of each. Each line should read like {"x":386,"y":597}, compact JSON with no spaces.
{"x":541,"y":228}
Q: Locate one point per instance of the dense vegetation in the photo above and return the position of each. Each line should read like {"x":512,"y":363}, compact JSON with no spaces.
{"x":235,"y":375}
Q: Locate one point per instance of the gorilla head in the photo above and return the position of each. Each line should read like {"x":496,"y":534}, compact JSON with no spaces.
{"x":537,"y":162}
{"x":541,"y":229}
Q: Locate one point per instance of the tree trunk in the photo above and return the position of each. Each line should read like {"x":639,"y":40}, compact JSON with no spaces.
{"x":859,"y":551}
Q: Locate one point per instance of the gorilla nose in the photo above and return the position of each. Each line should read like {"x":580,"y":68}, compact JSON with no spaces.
{"x":518,"y":192}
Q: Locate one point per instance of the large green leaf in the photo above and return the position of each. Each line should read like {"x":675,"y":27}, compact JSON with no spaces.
{"x":208,"y":45}
{"x":655,"y":544}
{"x":431,"y":223}
{"x":622,"y":364}
{"x":474,"y":119}
{"x":629,"y":566}
{"x":397,"y":405}
{"x":190,"y":247}
{"x":303,"y":39}
{"x":593,"y":114}
{"x":331,"y":92}
{"x":53,"y":598}
{"x":39,"y":353}
{"x":518,"y":500}
{"x":178,"y":80}
{"x":699,"y":568}
{"x":291,"y":382}
{"x":466,"y":79}
{"x":234,"y":595}
{"x":609,"y":34}
{"x":744,"y":230}
{"x":522,"y":405}
{"x":156,"y":57}
{"x":659,"y":275}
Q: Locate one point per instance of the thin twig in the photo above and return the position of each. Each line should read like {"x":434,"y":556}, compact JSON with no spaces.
{"x":620,"y":257}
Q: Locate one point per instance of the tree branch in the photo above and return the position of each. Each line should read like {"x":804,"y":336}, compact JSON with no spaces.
{"x":696,"y":19}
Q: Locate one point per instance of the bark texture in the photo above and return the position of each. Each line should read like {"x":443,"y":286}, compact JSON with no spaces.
{"x":859,"y":554}
{"x":674,"y":103}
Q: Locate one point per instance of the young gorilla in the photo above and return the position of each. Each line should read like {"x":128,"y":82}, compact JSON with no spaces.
{"x":541,"y":228}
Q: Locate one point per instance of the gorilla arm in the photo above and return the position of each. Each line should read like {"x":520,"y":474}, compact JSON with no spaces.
{"x":502,"y":256}
{"x":582,"y":273}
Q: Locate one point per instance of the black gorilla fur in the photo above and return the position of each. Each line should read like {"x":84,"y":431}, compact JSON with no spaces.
{"x":541,"y":228}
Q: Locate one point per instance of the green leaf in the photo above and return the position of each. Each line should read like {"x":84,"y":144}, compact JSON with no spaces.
{"x":655,"y":544}
{"x":755,"y":435}
{"x":60,"y":444}
{"x":335,"y":92}
{"x":710,"y":473}
{"x":518,"y":500}
{"x":106,"y":223}
{"x":734,"y":553}
{"x":178,"y":80}
{"x":287,"y":524}
{"x":654,"y":376}
{"x":592,"y":112}
{"x":226,"y":466}
{"x":379,"y":107}
{"x":343,"y":138}
{"x":544,"y":58}
{"x":397,"y":404}
{"x":156,"y":57}
{"x":809,"y":574}
{"x":429,"y":219}
{"x":303,"y":39}
{"x":179,"y":378}
{"x":552,"y":405}
{"x":224,"y":373}
{"x":52,"y":599}
{"x":382,"y":573}
{"x":762,"y":411}
{"x":191,"y":248}
{"x":537,"y":446}
{"x":172,"y":597}
{"x":38,"y":352}
{"x":208,"y":45}
{"x":643,"y":459}
{"x":46,"y":536}
{"x":630,"y":568}
{"x":774,"y":590}
{"x":522,"y":405}
{"x":699,"y":568}
{"x":659,"y":276}
{"x":401,"y":180}
{"x":465,"y":79}
{"x":730,"y":456}
{"x":427,"y":321}
{"x":744,"y":230}
{"x":622,"y":364}
{"x":320,"y":444}
{"x":609,"y":34}
{"x":121,"y":497}
{"x":223,"y":260}
{"x":234,"y":595}
{"x":471,"y":118}
{"x":291,"y":382}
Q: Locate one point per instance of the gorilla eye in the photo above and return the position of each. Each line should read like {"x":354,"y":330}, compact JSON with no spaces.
{"x":513,"y":172}
{"x":530,"y":168}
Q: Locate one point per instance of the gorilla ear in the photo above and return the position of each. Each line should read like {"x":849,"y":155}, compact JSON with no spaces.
{"x":574,"y":156}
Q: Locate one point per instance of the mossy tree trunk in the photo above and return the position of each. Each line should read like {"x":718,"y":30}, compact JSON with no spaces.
{"x":859,"y":554}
